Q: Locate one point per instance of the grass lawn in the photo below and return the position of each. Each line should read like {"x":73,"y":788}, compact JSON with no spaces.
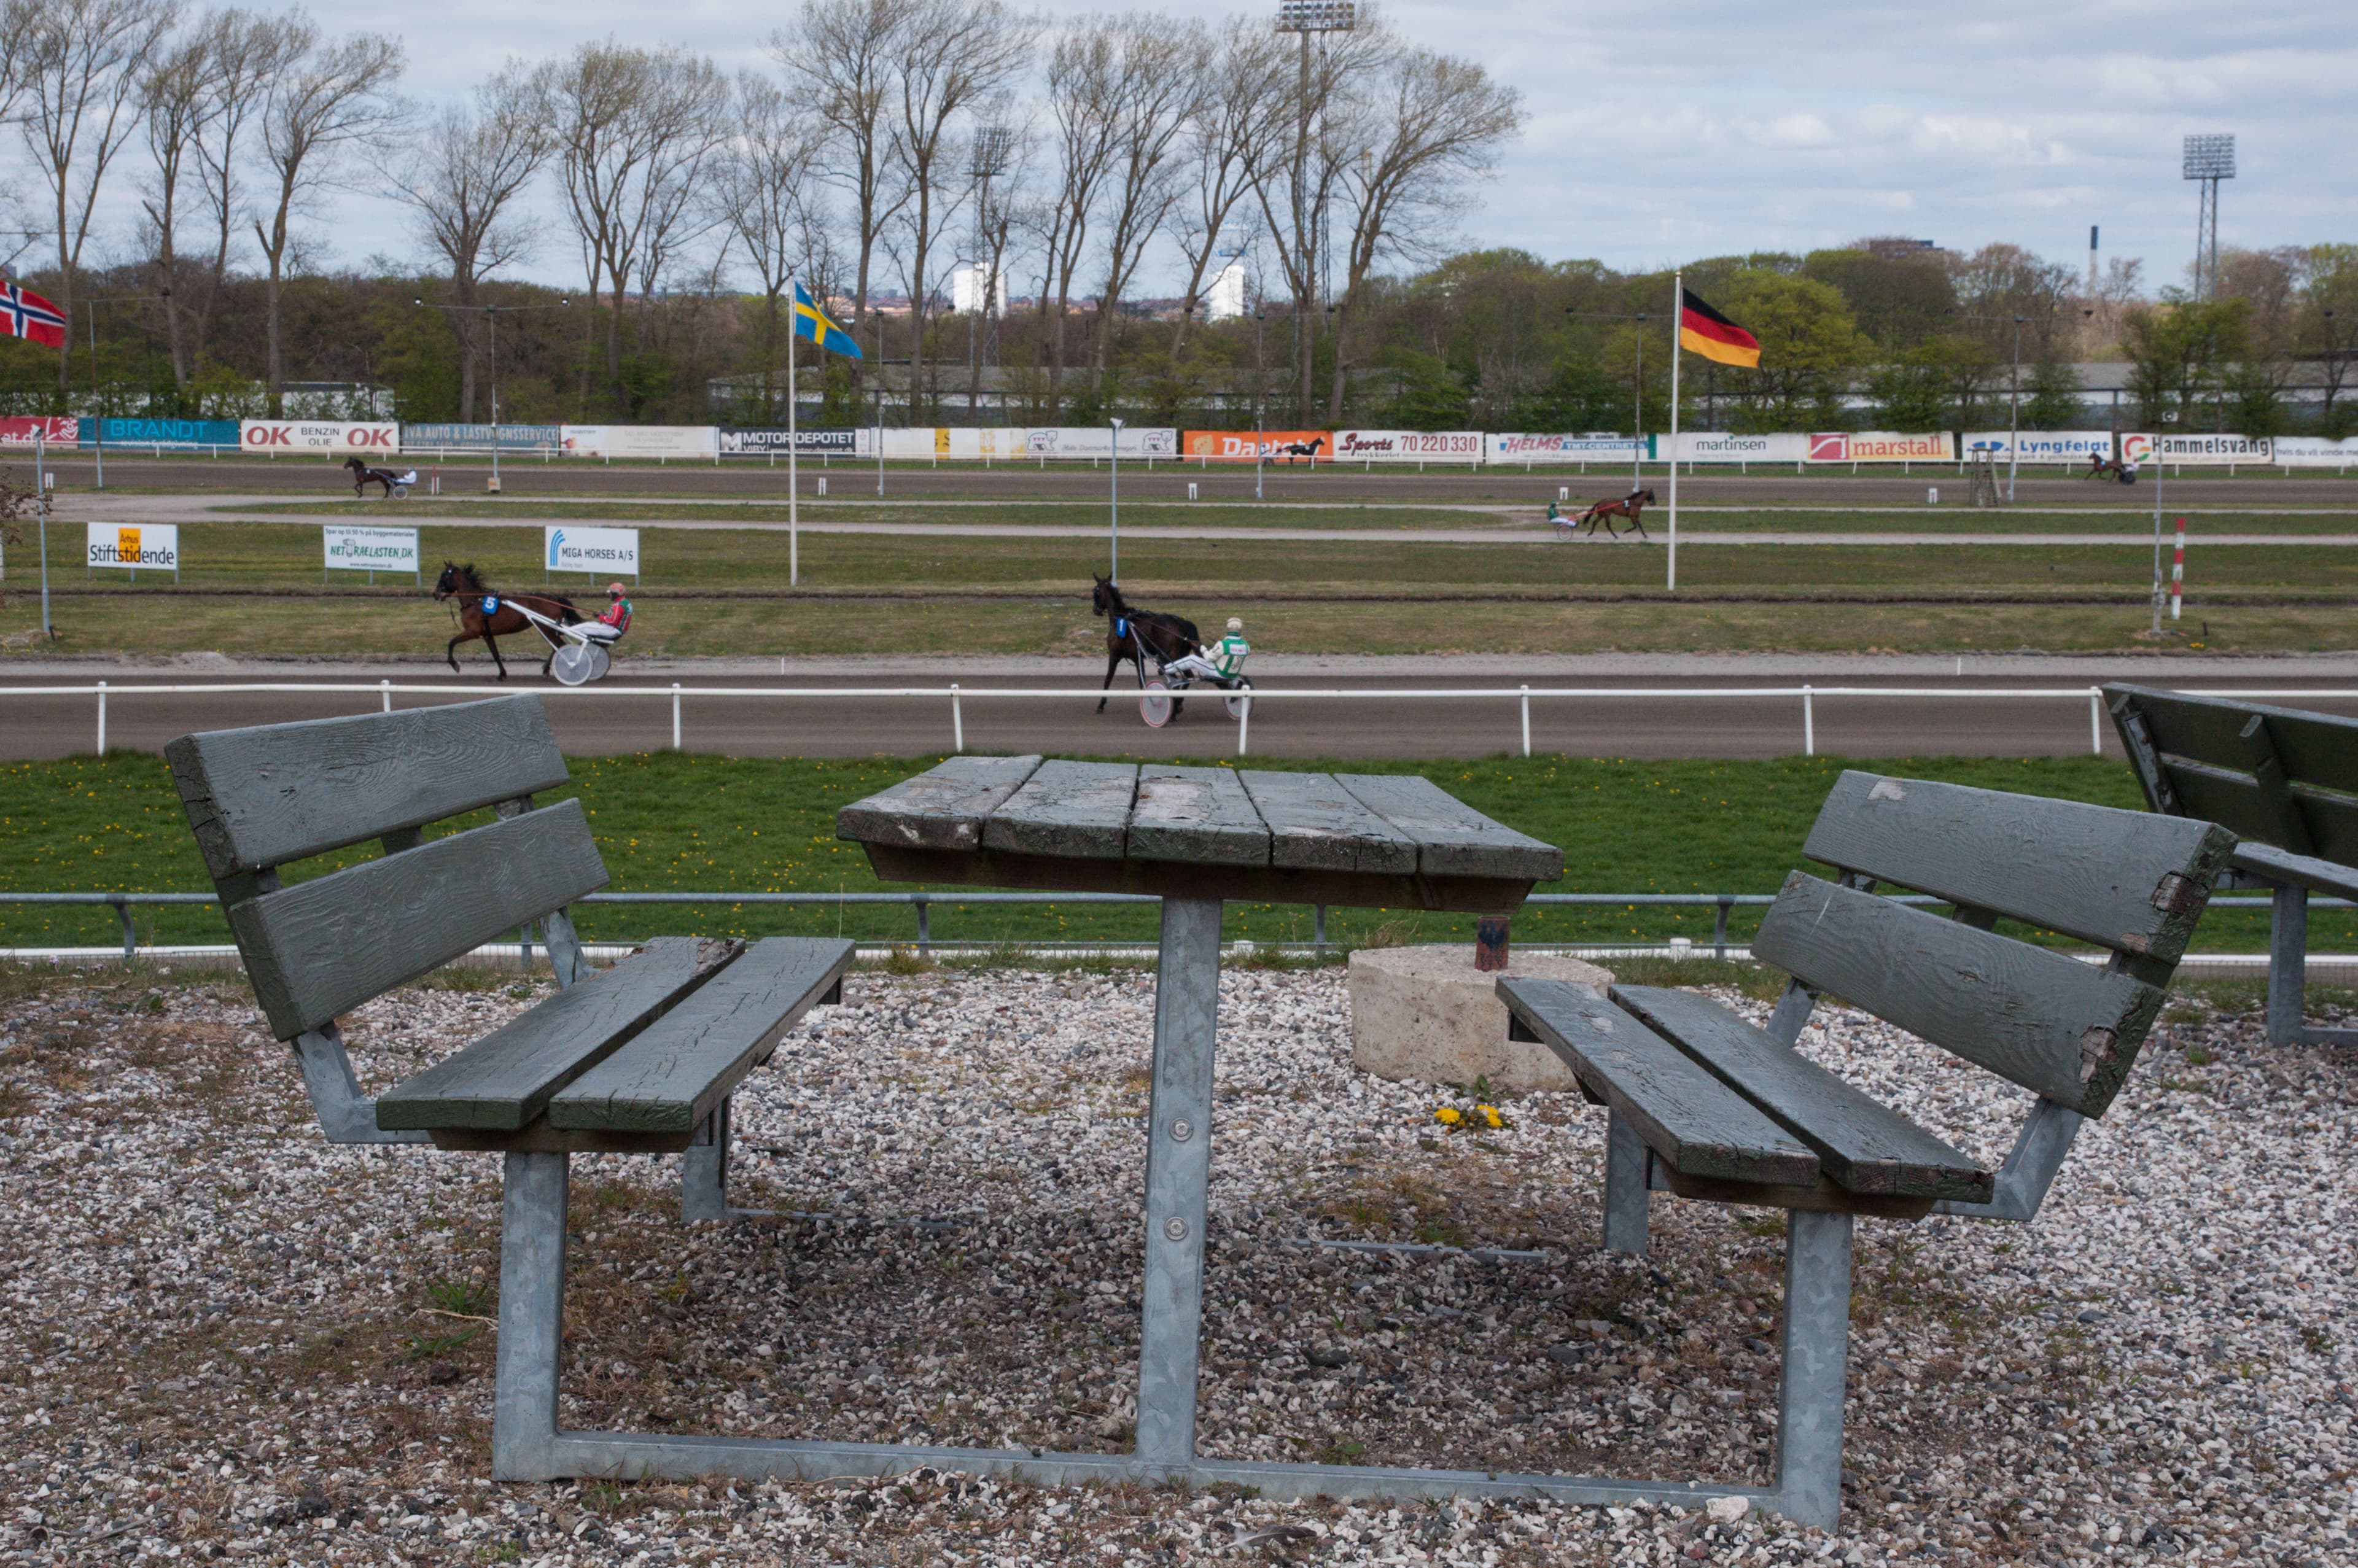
{"x":672,"y":822}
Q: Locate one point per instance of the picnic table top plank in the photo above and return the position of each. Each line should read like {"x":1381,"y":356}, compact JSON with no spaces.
{"x":1196,"y":813}
{"x":1078,"y":809}
{"x":671,"y":1076}
{"x":942,"y":808}
{"x":506,"y":1080}
{"x":1452,"y":838}
{"x":1315,"y":824}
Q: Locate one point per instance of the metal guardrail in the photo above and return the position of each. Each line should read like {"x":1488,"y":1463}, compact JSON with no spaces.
{"x":384,"y":691}
{"x":1722,"y":903}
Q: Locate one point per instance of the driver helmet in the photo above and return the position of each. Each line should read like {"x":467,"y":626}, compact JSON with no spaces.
{"x":614,"y":591}
{"x":1234,"y":625}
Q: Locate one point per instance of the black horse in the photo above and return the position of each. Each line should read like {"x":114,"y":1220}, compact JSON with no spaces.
{"x":485,"y":612}
{"x":1290,"y":450}
{"x":363,"y":476}
{"x":1133,"y":634}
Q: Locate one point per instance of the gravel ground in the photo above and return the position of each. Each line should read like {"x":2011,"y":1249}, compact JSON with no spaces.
{"x":229,"y":1340}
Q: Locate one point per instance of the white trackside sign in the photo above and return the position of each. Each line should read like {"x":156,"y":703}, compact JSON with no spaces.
{"x":151,"y":545}
{"x":599,"y":551}
{"x":370,"y":549}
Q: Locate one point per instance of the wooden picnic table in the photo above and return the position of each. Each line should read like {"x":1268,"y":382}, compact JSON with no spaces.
{"x":1199,"y":838}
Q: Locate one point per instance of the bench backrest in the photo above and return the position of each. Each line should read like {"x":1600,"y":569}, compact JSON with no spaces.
{"x":2064,"y":1029}
{"x":262,"y":798}
{"x":2278,"y":776}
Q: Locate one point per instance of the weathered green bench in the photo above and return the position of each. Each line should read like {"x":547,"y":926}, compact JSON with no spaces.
{"x":639,"y":1058}
{"x":2285,"y":783}
{"x":1704,"y":1104}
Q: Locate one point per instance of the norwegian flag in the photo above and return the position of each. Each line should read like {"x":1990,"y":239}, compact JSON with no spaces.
{"x":25,"y":314}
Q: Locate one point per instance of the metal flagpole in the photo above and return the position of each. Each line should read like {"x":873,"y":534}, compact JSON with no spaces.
{"x":794,"y":490}
{"x":1677,"y":317}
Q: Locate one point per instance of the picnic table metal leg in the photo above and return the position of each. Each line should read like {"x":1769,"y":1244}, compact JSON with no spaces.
{"x":1816,"y":1361}
{"x":532,"y":1317}
{"x":1178,"y":1173}
{"x":704,"y":1170}
{"x":2287,"y":964}
{"x":1626,"y":1194}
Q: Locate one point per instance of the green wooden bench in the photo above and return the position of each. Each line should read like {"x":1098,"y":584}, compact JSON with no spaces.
{"x":2285,"y":782}
{"x":639,"y":1058}
{"x":1706,"y":1105}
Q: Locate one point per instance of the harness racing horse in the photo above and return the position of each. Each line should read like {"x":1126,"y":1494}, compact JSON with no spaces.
{"x":485,"y":612}
{"x":363,"y":476}
{"x":1631,"y":506}
{"x":1133,"y":634}
{"x":2102,"y":467}
{"x":1290,"y":450}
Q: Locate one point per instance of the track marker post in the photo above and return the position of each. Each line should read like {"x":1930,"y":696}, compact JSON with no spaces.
{"x":2178,"y":572}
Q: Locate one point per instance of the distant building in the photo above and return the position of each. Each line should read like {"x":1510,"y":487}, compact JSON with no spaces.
{"x":1892,"y":247}
{"x":969,"y":282}
{"x":1224,"y":299}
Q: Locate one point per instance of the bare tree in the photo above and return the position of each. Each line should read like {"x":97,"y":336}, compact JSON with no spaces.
{"x":1230,"y":132}
{"x":950,"y":55}
{"x":464,"y":179}
{"x":248,"y":54}
{"x":177,"y":104}
{"x":840,"y":58}
{"x":1418,"y":131}
{"x":1082,"y":96}
{"x":77,"y":70}
{"x":335,"y":99}
{"x":1162,"y":66}
{"x":766,"y":187}
{"x":631,"y":129}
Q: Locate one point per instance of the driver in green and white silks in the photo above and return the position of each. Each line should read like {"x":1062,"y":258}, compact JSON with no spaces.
{"x":1229,"y":654}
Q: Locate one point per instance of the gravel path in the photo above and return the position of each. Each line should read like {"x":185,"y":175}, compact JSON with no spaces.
{"x":230,"y":1341}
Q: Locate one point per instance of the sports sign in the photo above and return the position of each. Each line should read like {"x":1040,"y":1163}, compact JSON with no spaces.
{"x":370,"y":549}
{"x":155,"y":545}
{"x":1408,"y":446}
{"x":340,"y":435}
{"x":602,"y":552}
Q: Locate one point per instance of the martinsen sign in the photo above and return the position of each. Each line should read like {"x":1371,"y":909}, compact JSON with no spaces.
{"x":1719,"y":447}
{"x":602,"y":552}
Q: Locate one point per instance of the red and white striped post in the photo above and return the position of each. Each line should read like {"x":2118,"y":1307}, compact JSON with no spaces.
{"x":2178,"y":571}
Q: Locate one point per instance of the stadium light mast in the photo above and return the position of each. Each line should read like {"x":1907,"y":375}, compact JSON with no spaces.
{"x":2209,"y":159}
{"x":1304,"y":18}
{"x":987,"y":163}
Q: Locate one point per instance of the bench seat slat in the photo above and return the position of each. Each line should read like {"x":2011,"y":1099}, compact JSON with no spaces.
{"x":2297,"y":870}
{"x":2058,"y":1027}
{"x":273,"y":794}
{"x":1864,"y":1144}
{"x":1698,"y":1125}
{"x":320,"y":948}
{"x":2119,"y":878}
{"x":506,"y":1080}
{"x":671,"y":1076}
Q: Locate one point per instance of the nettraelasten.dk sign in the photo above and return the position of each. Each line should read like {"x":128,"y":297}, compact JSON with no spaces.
{"x":370,"y":549}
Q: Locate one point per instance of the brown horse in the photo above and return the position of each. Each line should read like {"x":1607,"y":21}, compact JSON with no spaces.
{"x":1631,"y":506}
{"x":485,"y":612}
{"x":1140,"y":635}
{"x":2102,"y":467}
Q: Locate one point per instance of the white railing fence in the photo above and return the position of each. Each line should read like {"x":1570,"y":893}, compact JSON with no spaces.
{"x":956,"y":697}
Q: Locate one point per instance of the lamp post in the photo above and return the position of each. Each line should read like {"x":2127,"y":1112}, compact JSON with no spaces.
{"x":1305,"y":18}
{"x":1261,"y":394}
{"x":41,"y":505}
{"x":490,"y":314}
{"x":1114,"y":464}
{"x":1637,"y":399}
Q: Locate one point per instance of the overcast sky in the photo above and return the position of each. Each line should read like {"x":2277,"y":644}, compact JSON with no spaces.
{"x":1667,"y":129}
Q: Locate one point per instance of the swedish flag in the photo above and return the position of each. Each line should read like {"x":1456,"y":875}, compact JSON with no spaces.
{"x":812,"y":322}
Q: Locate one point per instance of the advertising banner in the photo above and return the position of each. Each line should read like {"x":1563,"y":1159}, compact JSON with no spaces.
{"x":19,"y":430}
{"x":1565,"y":448}
{"x":641,"y":441}
{"x":1408,"y":446}
{"x":805,"y":442}
{"x":2074,"y":446}
{"x":155,"y":545}
{"x":1720,"y":446}
{"x":1274,"y":446}
{"x":2314,"y":452}
{"x":165,"y":432}
{"x":370,"y":549}
{"x":2218,"y":451}
{"x":602,"y":552}
{"x":339,"y":437}
{"x":482,"y":438}
{"x":1092,"y":441}
{"x":1880,"y":446}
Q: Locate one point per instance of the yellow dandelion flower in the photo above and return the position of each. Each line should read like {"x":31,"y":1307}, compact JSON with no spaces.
{"x":1490,"y":1115}
{"x":1448,"y":1115}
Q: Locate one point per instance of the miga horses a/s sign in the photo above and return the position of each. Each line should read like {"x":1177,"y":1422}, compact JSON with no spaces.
{"x":155,"y":545}
{"x":605,"y":551}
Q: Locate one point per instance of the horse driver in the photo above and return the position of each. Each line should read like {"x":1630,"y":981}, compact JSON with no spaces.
{"x":1230,"y":652}
{"x":617,"y":614}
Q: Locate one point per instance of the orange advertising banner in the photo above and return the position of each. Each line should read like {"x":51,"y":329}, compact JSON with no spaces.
{"x":1276,"y":445}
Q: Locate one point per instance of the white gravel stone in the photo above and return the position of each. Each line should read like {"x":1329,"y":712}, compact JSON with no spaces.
{"x":229,"y":1340}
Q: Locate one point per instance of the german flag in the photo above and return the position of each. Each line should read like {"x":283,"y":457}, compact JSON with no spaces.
{"x":1714,"y":336}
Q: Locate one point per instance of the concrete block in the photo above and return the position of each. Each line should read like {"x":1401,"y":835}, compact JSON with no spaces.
{"x":1427,"y":1015}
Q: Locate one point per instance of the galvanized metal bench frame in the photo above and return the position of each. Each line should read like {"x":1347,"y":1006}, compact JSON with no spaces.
{"x":2051,"y":1025}
{"x":2286,"y":782}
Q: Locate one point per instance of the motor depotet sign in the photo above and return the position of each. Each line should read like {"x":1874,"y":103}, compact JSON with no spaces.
{"x":155,"y":545}
{"x":1408,"y":446}
{"x":1274,"y":446}
{"x":345,"y":437}
{"x":1880,"y":446}
{"x":370,"y":549}
{"x":605,"y":551}
{"x":805,"y":443}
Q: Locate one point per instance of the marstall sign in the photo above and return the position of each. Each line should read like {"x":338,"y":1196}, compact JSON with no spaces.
{"x":1880,"y":446}
{"x":155,"y":545}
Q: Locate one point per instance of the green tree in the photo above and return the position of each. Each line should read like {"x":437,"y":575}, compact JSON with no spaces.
{"x":2180,"y":352}
{"x":1810,"y":346}
{"x":1912,"y":393}
{"x":1426,"y":393}
{"x":2050,"y":398}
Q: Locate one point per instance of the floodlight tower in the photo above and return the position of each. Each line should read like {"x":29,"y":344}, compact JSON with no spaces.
{"x":2209,"y":159}
{"x":991,"y":145}
{"x":1304,"y":18}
